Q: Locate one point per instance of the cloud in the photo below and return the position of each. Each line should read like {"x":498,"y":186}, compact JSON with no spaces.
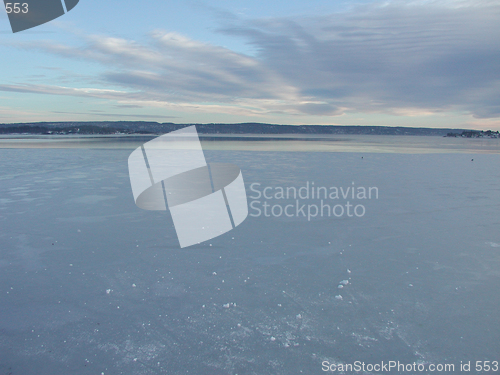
{"x":60,"y":90}
{"x":383,"y":58}
{"x":400,"y":58}
{"x":94,"y":113}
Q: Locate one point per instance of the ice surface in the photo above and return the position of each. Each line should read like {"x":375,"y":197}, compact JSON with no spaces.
{"x":91,"y":284}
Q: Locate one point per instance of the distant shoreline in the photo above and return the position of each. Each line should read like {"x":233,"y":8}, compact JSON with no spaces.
{"x":155,"y":128}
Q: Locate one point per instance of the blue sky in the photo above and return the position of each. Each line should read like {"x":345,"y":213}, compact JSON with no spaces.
{"x":402,"y":63}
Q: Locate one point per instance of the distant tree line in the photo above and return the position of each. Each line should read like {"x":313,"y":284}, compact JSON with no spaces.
{"x":144,"y":127}
{"x":77,"y":129}
{"x":475,"y":134}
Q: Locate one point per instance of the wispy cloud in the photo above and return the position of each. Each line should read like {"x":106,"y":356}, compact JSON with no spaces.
{"x":401,"y":58}
{"x":115,"y":115}
{"x":429,"y":56}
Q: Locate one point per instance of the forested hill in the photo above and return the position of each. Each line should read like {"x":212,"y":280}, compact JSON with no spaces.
{"x":138,"y":127}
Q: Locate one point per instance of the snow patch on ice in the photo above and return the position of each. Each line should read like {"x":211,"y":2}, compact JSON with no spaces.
{"x":493,"y":244}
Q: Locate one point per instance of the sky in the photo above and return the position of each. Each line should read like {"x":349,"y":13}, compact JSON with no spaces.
{"x":432,"y":63}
